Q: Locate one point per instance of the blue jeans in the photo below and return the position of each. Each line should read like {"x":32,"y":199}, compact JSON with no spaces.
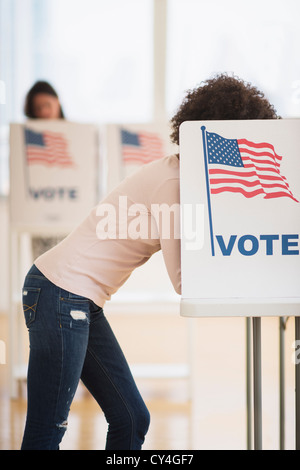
{"x":70,"y":339}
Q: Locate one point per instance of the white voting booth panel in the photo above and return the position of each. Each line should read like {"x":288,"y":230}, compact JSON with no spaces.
{"x":53,"y":174}
{"x":128,"y":146}
{"x":240,"y":193}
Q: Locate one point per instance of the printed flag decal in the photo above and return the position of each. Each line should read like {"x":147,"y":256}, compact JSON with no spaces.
{"x":47,"y":148}
{"x":141,"y":147}
{"x":241,"y":166}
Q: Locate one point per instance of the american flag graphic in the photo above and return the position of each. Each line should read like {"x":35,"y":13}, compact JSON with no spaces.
{"x":47,"y":148}
{"x":241,"y":166}
{"x":142,"y":147}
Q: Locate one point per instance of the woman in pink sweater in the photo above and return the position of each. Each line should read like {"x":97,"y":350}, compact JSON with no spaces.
{"x":65,"y":291}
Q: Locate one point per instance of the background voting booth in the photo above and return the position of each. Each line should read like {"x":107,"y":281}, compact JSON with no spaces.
{"x":240,"y":193}
{"x":54,"y":175}
{"x":126,"y":147}
{"x":53,"y":185}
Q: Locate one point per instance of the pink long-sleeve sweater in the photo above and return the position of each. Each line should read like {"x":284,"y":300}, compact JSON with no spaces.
{"x":137,"y":219}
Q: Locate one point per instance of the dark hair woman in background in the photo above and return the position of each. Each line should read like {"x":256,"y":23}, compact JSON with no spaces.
{"x":42,"y":102}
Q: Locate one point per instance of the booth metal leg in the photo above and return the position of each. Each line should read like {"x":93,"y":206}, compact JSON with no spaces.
{"x":257,"y":383}
{"x":297,"y":384}
{"x":282,"y":327}
{"x":249,"y":382}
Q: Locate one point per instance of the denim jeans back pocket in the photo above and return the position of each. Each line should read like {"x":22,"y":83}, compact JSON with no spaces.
{"x":30,"y":301}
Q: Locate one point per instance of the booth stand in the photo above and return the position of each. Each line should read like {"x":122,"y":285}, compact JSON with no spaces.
{"x":240,"y":193}
{"x":50,"y":165}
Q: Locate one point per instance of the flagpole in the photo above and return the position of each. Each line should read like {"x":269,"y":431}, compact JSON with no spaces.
{"x":203,"y":129}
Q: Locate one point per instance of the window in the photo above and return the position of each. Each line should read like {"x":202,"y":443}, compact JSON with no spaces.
{"x":257,"y":41}
{"x":97,"y":54}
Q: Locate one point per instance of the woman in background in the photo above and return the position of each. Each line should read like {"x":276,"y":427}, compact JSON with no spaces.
{"x":65,"y":291}
{"x":42,"y":102}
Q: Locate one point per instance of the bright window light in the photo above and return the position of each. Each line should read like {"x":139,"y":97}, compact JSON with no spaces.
{"x":257,"y":41}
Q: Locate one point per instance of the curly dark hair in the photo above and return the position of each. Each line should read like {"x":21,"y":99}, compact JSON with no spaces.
{"x":223,"y":97}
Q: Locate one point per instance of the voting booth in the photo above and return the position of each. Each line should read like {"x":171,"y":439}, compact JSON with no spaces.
{"x":240,"y":212}
{"x":54,"y":183}
{"x":127,"y":146}
{"x":53,"y":174}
